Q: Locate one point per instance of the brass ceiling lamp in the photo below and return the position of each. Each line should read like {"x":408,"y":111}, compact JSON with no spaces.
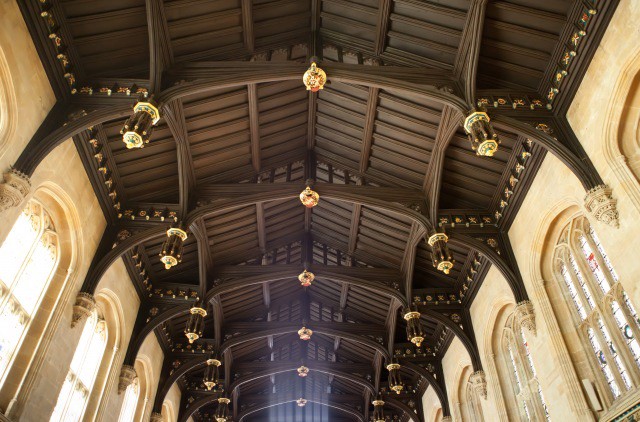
{"x":171,"y":253}
{"x":309,"y":198}
{"x":395,"y":381}
{"x":314,"y":78}
{"x":211,"y":373}
{"x":415,"y":333}
{"x":138,"y":128}
{"x":303,"y":371}
{"x":440,"y":254}
{"x":378,"y":410}
{"x":195,"y":325}
{"x":301,"y":402}
{"x":484,"y":140}
{"x":305,"y":333}
{"x":306,"y":278}
{"x":222,"y":412}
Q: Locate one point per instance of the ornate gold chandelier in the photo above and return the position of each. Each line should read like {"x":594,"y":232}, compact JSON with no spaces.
{"x":303,"y":371}
{"x":222,"y":412}
{"x":306,"y":278}
{"x":314,"y":78}
{"x":195,"y":325}
{"x":395,"y":381}
{"x":305,"y":333}
{"x":484,"y":140}
{"x":440,"y":254}
{"x":171,"y":253}
{"x":378,"y":410}
{"x":301,"y":402}
{"x":211,"y":373}
{"x":415,"y":334}
{"x":138,"y":128}
{"x":309,"y":198}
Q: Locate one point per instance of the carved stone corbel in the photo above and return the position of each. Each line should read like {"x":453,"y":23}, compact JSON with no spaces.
{"x":85,"y":304}
{"x":478,"y":382}
{"x":127,"y":375}
{"x":446,"y":419}
{"x":599,"y":203}
{"x":526,"y":316}
{"x":156,"y":417}
{"x":14,"y":190}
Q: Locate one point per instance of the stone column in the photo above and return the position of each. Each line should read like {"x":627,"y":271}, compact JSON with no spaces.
{"x":602,"y":206}
{"x":84,"y":306}
{"x":14,"y":190}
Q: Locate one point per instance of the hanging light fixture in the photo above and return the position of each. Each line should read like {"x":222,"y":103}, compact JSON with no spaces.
{"x":314,"y":78}
{"x":415,"y":334}
{"x":378,"y":410}
{"x":395,"y":381}
{"x":222,"y":412}
{"x":484,"y":140}
{"x":211,"y":373}
{"x":303,"y":371}
{"x":309,"y":198}
{"x":195,"y":325}
{"x":171,"y":253}
{"x":138,"y":128}
{"x":305,"y":333}
{"x":306,"y":278}
{"x":440,"y":254}
{"x":301,"y":402}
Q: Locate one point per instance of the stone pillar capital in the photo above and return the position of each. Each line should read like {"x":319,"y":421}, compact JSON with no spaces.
{"x":526,"y":316}
{"x":85,"y":304}
{"x":156,"y":417}
{"x":602,"y":206}
{"x":446,"y":419}
{"x":127,"y":375}
{"x":478,"y":382}
{"x":14,"y":190}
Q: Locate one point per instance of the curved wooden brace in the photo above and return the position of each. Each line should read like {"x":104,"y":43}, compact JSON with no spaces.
{"x":252,"y":377}
{"x":469,"y":344}
{"x":437,"y":388}
{"x":199,"y":360}
{"x":339,"y":407}
{"x":580,"y":166}
{"x":391,"y":402}
{"x":510,"y":274}
{"x":233,"y":341}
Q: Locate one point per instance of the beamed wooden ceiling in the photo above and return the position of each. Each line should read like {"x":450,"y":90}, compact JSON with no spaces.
{"x":383,"y":143}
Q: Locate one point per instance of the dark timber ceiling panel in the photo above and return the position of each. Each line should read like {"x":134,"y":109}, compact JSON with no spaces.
{"x":383,"y":142}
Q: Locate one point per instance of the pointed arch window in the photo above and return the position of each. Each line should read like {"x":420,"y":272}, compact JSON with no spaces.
{"x":606,"y":319}
{"x":130,"y":402}
{"x":474,"y":408}
{"x":526,"y":388}
{"x":28,"y":260}
{"x":73,"y":398}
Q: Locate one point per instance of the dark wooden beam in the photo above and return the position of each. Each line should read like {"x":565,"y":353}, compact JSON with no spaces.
{"x":466,"y":62}
{"x":254,"y":126}
{"x":382,"y":25}
{"x":160,"y":53}
{"x":367,"y":133}
{"x":247,"y":26}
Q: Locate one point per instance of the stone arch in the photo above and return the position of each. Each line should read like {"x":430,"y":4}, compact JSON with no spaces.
{"x":168,"y":411}
{"x":8,"y":105}
{"x":143,"y":367}
{"x":461,"y":381}
{"x":502,"y":308}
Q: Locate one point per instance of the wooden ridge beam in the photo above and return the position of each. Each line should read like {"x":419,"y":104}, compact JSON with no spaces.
{"x":367,"y":133}
{"x":160,"y":51}
{"x":382,"y":26}
{"x":248,"y":34}
{"x":466,"y":62}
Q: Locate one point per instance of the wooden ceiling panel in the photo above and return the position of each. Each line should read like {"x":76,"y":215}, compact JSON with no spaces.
{"x":281,"y":21}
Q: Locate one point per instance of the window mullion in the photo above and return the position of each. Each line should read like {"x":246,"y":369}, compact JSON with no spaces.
{"x":604,"y":347}
{"x":627,"y":314}
{"x":599,"y":260}
{"x":620,"y":344}
{"x":589,"y":278}
{"x":576,"y":283}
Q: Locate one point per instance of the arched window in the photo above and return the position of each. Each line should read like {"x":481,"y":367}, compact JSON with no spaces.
{"x":606,"y":320}
{"x":472,"y":404}
{"x":130,"y":402}
{"x":28,"y":259}
{"x":77,"y":387}
{"x":527,"y":391}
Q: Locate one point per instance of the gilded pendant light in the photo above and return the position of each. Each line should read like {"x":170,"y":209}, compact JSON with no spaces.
{"x":195,"y":325}
{"x":484,"y":140}
{"x":395,"y":381}
{"x":222,"y":412}
{"x":415,"y":334}
{"x":440,"y":254}
{"x":211,"y":373}
{"x":171,"y":253}
{"x":303,"y":371}
{"x":301,"y":402}
{"x":378,"y":410}
{"x":305,"y":333}
{"x":314,"y":78}
{"x":138,"y":128}
{"x":306,"y":278}
{"x":309,"y":198}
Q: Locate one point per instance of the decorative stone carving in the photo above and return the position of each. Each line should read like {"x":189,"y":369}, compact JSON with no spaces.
{"x":14,"y":190}
{"x":127,"y":375}
{"x":446,"y":419}
{"x":526,"y":316}
{"x":599,"y":202}
{"x":156,"y":417}
{"x":478,"y":382}
{"x":85,"y":304}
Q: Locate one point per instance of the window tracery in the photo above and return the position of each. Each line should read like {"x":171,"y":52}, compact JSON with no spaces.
{"x":605,"y":317}
{"x":28,"y":259}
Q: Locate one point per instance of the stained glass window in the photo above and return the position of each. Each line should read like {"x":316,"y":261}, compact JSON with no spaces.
{"x":28,"y":258}
{"x":602,"y":361}
{"x":77,"y":387}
